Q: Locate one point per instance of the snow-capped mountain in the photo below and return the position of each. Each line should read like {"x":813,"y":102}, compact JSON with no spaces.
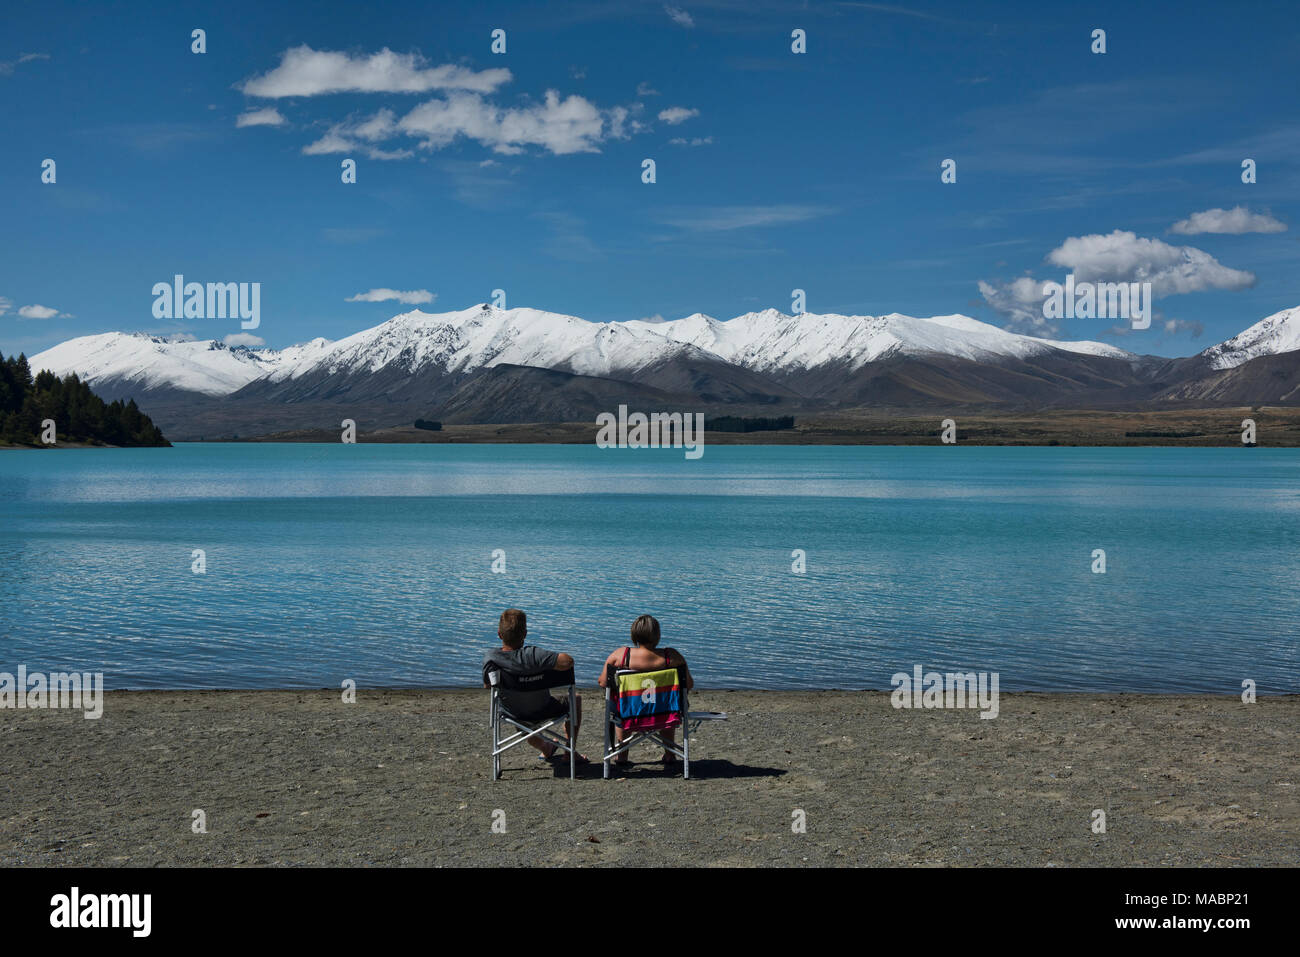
{"x":157,"y":362}
{"x":771,"y":341}
{"x":482,"y":337}
{"x":1278,"y":333}
{"x":490,"y":365}
{"x":471,"y":339}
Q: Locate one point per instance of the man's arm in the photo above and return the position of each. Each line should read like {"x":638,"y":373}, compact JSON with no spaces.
{"x":563,"y":662}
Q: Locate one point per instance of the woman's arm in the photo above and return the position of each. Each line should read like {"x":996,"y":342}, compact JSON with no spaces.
{"x":675,"y":660}
{"x":605,"y":668}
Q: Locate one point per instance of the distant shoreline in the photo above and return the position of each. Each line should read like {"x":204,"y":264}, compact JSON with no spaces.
{"x":1277,"y":427}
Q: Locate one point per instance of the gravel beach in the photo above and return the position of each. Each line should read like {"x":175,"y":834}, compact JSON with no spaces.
{"x":403,"y":777}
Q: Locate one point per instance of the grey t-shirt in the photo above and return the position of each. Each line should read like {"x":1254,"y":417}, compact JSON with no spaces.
{"x":524,"y":660}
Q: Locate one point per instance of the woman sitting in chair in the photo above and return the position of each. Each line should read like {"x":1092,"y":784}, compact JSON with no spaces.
{"x":644,"y":656}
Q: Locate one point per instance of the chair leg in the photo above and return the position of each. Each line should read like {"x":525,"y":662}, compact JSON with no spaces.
{"x":686,"y":736}
{"x":607,"y":736}
{"x":572,"y":734}
{"x":496,"y":758}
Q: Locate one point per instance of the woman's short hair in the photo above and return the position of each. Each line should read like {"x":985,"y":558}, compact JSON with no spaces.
{"x":645,"y":632}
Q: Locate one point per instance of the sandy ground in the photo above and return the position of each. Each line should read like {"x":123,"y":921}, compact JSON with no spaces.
{"x":404,"y":778}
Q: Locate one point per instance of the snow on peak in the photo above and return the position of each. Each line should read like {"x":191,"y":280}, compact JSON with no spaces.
{"x":772,"y":341}
{"x":1278,"y":333}
{"x":155,"y":362}
{"x":483,"y":336}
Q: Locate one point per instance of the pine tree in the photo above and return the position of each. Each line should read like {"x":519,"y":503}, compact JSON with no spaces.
{"x":79,"y":414}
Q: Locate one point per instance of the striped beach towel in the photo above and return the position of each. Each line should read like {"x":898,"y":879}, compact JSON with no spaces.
{"x":649,"y":700}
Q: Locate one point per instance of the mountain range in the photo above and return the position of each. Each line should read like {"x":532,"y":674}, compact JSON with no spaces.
{"x":489,"y":365}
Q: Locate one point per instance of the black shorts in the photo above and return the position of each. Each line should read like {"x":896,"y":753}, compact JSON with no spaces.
{"x":557,"y":708}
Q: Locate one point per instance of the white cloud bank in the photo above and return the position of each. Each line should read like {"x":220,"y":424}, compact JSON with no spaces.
{"x":679,"y":17}
{"x":267,"y":116}
{"x":561,"y":126}
{"x":34,"y":311}
{"x":1233,"y":222}
{"x":37,"y":312}
{"x":677,"y":114}
{"x":723,"y":218}
{"x":1119,"y":256}
{"x":1125,"y":257}
{"x":307,"y":72}
{"x":414,"y":297}
{"x":243,"y":339}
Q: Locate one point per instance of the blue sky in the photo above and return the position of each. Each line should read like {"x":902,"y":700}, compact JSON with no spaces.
{"x":775,"y":170}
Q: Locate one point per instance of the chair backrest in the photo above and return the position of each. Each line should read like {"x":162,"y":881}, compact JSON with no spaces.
{"x":646,"y":700}
{"x":537,"y":681}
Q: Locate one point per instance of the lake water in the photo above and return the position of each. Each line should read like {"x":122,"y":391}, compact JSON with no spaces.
{"x":373,"y":562}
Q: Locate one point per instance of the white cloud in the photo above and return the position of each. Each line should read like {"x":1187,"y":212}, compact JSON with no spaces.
{"x":243,"y":339}
{"x":267,"y":116}
{"x":378,"y":154}
{"x":40,"y":312}
{"x":622,"y":121}
{"x":1233,"y":221}
{"x":5,"y":304}
{"x":571,"y":125}
{"x":343,"y":138}
{"x":680,"y":16}
{"x":694,"y":141}
{"x":7,"y":67}
{"x":561,"y":125}
{"x":331,"y":142}
{"x":413,"y":298}
{"x":1125,"y":257}
{"x":677,"y":114}
{"x":1117,"y":257}
{"x":307,"y":72}
{"x":1175,"y":326}
{"x":1021,"y":302}
{"x":381,"y":126}
{"x":645,"y":89}
{"x":719,"y":218}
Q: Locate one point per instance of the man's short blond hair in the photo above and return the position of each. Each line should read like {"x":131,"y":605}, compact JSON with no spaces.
{"x":513,"y":627}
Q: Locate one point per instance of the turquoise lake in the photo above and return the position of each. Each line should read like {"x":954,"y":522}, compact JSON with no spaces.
{"x":374,"y":563}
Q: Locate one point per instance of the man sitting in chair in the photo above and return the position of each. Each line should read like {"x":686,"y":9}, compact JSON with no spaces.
{"x":519,"y":659}
{"x":644,"y":656}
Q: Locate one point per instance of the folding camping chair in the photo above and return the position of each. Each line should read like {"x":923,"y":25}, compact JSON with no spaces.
{"x":645,"y":705}
{"x":499,"y":681}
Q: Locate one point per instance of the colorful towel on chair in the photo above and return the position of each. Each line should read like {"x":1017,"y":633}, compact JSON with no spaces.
{"x":649,"y":700}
